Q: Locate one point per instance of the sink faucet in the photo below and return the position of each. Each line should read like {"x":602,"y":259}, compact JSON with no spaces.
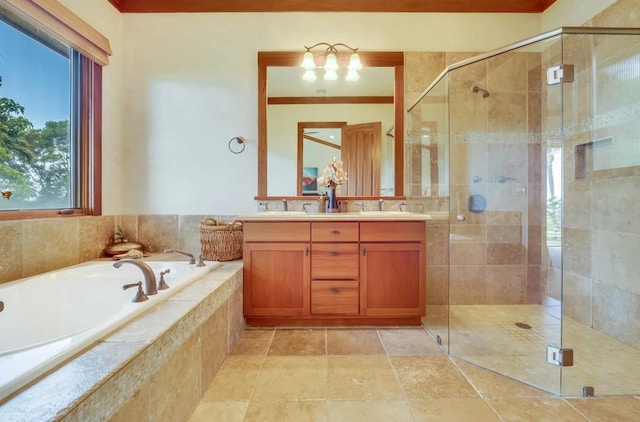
{"x":192,"y":259}
{"x":380,"y":201}
{"x":149,"y":276}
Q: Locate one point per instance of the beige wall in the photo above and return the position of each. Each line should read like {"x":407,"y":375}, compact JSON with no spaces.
{"x":571,"y":13}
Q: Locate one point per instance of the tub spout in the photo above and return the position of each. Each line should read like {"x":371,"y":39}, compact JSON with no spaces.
{"x":149,"y":276}
{"x":192,"y":259}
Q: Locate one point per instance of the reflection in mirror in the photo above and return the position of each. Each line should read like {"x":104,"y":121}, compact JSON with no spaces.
{"x":318,"y":143}
{"x":284,"y":100}
{"x":366,"y":152}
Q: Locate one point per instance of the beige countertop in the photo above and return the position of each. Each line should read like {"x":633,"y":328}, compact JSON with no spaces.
{"x":344,"y":216}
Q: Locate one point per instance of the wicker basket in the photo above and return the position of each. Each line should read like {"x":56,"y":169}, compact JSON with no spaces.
{"x":220,"y":241}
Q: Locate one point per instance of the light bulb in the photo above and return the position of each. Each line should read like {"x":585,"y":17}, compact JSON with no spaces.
{"x":352,"y":75}
{"x":331,"y":63}
{"x":307,"y":61}
{"x":330,"y":75}
{"x":354,"y":62}
{"x":309,"y":75}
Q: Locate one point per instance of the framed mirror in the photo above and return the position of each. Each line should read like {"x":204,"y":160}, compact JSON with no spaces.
{"x":278,"y":158}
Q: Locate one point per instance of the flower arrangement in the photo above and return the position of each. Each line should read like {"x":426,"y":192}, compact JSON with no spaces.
{"x":333,"y":174}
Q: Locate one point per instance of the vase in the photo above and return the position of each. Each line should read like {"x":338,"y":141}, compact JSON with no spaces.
{"x":332,"y":201}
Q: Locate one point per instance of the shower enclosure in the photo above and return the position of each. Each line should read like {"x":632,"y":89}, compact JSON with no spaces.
{"x":534,"y":150}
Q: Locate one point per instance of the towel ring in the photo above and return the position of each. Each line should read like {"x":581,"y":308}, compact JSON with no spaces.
{"x":240,"y":141}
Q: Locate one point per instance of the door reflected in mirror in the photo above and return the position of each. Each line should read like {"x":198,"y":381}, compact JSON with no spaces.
{"x":366,"y":151}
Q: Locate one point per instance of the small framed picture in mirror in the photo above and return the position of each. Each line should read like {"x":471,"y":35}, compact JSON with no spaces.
{"x":310,"y":180}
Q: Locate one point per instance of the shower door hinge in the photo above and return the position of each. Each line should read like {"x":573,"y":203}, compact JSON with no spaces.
{"x":559,"y":357}
{"x":562,"y":73}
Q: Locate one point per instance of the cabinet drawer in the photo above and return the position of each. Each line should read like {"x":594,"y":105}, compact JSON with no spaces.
{"x":276,"y":231}
{"x":336,"y":231}
{"x":392,"y":231}
{"x":334,"y":260}
{"x":334,"y":297}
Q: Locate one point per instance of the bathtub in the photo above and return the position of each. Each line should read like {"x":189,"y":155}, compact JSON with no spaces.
{"x":47,"y":318}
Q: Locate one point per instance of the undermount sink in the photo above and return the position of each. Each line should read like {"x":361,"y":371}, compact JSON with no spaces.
{"x":383,"y":212}
{"x":283,"y":213}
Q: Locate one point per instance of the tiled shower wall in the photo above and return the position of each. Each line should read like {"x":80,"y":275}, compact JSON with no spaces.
{"x":29,"y":247}
{"x":495,"y":255}
{"x":601,"y":225}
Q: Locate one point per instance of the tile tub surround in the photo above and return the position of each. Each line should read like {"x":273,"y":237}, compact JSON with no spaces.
{"x":30,"y":247}
{"x":154,"y":368}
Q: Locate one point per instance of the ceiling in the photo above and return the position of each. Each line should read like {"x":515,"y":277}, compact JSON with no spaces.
{"x":444,"y":6}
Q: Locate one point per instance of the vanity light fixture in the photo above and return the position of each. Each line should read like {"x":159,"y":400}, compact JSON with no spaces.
{"x":330,"y":62}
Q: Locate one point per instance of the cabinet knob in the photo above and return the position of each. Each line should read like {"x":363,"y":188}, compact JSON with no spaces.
{"x":306,"y":251}
{"x":335,"y":291}
{"x":335,"y":231}
{"x":334,"y":253}
{"x":364,"y":251}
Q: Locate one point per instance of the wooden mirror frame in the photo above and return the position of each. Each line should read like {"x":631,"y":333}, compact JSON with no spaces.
{"x":369,"y":59}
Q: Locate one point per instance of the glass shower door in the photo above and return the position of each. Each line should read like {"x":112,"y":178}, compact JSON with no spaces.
{"x":600,"y":217}
{"x":505,"y":275}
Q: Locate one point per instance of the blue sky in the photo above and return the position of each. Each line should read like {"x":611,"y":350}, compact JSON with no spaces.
{"x":35,"y":76}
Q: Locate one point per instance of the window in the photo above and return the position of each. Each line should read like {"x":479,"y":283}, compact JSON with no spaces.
{"x":554,"y":193}
{"x":50,"y":125}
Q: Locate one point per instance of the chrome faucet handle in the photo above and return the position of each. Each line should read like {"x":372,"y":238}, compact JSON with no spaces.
{"x":402,"y":206}
{"x":140,"y":296}
{"x":162,"y":285}
{"x":263,"y":204}
{"x":201,"y":262}
{"x":285,"y":206}
{"x":380,"y":201}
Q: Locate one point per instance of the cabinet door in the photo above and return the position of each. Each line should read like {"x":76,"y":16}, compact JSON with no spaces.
{"x":392,"y":279}
{"x":276,"y":279}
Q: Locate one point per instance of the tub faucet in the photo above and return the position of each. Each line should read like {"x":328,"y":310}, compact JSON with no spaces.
{"x":149,"y":276}
{"x":192,"y":259}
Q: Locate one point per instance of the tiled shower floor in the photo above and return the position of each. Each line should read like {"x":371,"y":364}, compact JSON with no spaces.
{"x":377,"y":374}
{"x":487,"y":335}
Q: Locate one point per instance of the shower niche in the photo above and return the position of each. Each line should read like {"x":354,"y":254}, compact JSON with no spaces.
{"x":537,"y":160}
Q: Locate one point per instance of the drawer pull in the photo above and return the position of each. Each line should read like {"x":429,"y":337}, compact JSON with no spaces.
{"x":306,"y":251}
{"x":334,"y":253}
{"x":335,"y":291}
{"x":335,"y":231}
{"x":364,"y":251}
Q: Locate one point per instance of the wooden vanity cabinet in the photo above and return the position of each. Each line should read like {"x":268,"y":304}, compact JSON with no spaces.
{"x":334,"y":272}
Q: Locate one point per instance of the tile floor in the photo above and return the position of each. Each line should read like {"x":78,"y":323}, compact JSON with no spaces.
{"x":377,"y":374}
{"x":487,"y":336}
